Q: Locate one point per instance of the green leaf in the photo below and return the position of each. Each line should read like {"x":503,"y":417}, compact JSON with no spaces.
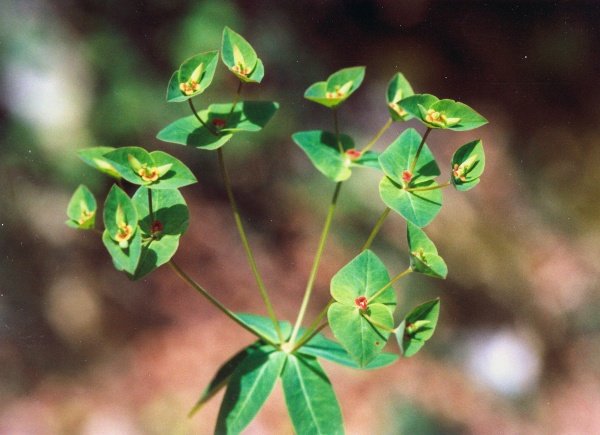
{"x":338,"y":87}
{"x":161,"y":235}
{"x":124,"y":259}
{"x":399,"y":155}
{"x":221,"y":378}
{"x":239,"y":56}
{"x":120,"y":216}
{"x":249,"y":116}
{"x":398,"y":89}
{"x":323,"y":151}
{"x":82,"y":209}
{"x":418,"y":207}
{"x":310,"y":398}
{"x":444,"y":114}
{"x":363,"y":332}
{"x":424,"y":256}
{"x":193,"y":77}
{"x":264,"y":326}
{"x":468,"y":164}
{"x":249,"y":387}
{"x":319,"y":346}
{"x":418,"y":327}
{"x":95,"y":158}
{"x":155,"y":170}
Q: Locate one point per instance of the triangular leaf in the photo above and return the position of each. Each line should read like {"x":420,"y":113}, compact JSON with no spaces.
{"x":338,"y":87}
{"x":418,"y":207}
{"x":418,"y":327}
{"x":468,"y":164}
{"x":424,"y":256}
{"x":264,"y":326}
{"x":398,"y":89}
{"x":82,"y":209}
{"x":95,"y":158}
{"x":444,"y":114}
{"x":124,"y":259}
{"x":120,"y":216}
{"x":310,"y":398}
{"x":239,"y":56}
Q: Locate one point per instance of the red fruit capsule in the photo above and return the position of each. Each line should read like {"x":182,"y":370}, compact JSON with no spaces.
{"x":157,"y":227}
{"x":218,"y":123}
{"x":406,"y":176}
{"x":361,"y":302}
{"x":353,"y":154}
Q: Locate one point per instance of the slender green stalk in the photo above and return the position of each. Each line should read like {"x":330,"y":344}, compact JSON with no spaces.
{"x":235,"y":101}
{"x":389,"y":284}
{"x":312,"y":330}
{"x":317,"y":261}
{"x":423,"y":189}
{"x":205,"y":125}
{"x":377,"y":324}
{"x":376,"y":229}
{"x":238,"y":222}
{"x":337,"y":131}
{"x":373,"y":141}
{"x":150,"y":209}
{"x":185,"y":277}
{"x":414,"y":162}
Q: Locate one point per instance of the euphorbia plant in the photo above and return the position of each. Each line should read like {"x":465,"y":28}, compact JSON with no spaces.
{"x":142,"y":232}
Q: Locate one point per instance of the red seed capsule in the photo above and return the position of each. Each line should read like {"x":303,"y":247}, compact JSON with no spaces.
{"x":218,"y":122}
{"x":157,"y":227}
{"x":353,"y":154}
{"x":406,"y":176}
{"x":361,"y":302}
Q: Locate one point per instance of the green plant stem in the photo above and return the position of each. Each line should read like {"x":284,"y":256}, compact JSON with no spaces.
{"x":377,"y":324}
{"x":373,"y":141}
{"x":190,"y":281}
{"x":150,"y":208}
{"x":200,"y":119}
{"x":416,"y":158}
{"x":389,"y":284}
{"x":376,"y":229}
{"x":312,"y":330}
{"x":235,"y":101}
{"x":423,"y":189}
{"x":238,"y":222}
{"x":337,"y":131}
{"x":317,"y":261}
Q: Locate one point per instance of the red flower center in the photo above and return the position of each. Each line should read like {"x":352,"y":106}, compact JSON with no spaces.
{"x":218,"y":122}
{"x":156,"y":227}
{"x":353,"y":154}
{"x":406,"y":176}
{"x":361,"y":302}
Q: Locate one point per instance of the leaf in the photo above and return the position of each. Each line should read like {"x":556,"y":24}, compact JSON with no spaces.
{"x":264,"y":325}
{"x":323,"y":151}
{"x":418,"y":207}
{"x":398,"y":89}
{"x":338,"y":87}
{"x":310,"y":398}
{"x":82,"y":209}
{"x":424,"y":256}
{"x":362,"y":332}
{"x":155,"y":170}
{"x":124,"y":259}
{"x":239,"y":56}
{"x":120,"y":216}
{"x":95,"y":158}
{"x":193,"y":77}
{"x":249,"y":387}
{"x":399,"y":155}
{"x":319,"y":346}
{"x":221,"y":378}
{"x":444,"y":114}
{"x":161,"y":235}
{"x":249,"y":116}
{"x":418,"y":327}
{"x":468,"y":164}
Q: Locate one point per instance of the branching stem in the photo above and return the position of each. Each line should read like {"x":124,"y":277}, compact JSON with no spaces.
{"x":416,"y":158}
{"x":376,"y":229}
{"x":373,"y":141}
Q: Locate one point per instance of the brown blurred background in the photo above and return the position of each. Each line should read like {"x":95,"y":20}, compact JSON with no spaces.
{"x":83,"y":350}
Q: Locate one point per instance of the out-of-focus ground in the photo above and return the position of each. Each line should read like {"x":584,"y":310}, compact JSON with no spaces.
{"x":83,"y":350}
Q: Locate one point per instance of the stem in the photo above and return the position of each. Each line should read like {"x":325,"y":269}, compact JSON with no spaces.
{"x":184,"y":276}
{"x":312,"y":330}
{"x":315,"y":267}
{"x":414,"y":162}
{"x":377,"y":136}
{"x":376,"y":228}
{"x":389,"y":284}
{"x":235,"y":101}
{"x":238,"y":222}
{"x":377,"y":324}
{"x":337,"y":131}
{"x":423,"y":189}
{"x":151,"y":211}
{"x":200,"y":119}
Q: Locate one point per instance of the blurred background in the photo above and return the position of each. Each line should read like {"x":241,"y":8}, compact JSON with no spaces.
{"x":83,"y":350}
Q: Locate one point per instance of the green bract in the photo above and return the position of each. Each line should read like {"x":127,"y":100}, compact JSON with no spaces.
{"x":418,"y":327}
{"x":338,"y":87}
{"x":248,"y":116}
{"x":239,"y":56}
{"x":398,"y":89}
{"x":424,"y":256}
{"x":323,"y":150}
{"x":193,"y":77}
{"x":95,"y":158}
{"x":360,"y":322}
{"x":82,"y":209}
{"x":155,"y":170}
{"x":468,"y":163}
{"x":412,"y":194}
{"x":436,"y":113}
